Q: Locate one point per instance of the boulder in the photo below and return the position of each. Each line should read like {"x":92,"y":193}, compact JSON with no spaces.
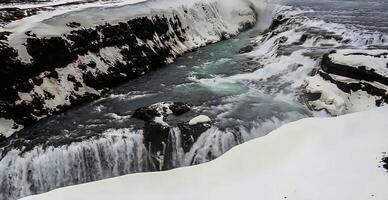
{"x":246,"y":49}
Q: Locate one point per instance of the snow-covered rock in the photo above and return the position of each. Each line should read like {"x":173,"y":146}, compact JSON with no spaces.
{"x":336,"y":158}
{"x":7,"y":128}
{"x":166,"y":123}
{"x":371,"y":62}
{"x":199,"y":120}
{"x":350,"y":80}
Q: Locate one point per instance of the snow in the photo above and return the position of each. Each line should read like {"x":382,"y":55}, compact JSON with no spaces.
{"x":160,"y":120}
{"x":8,"y":127}
{"x":335,"y":101}
{"x":373,"y":59}
{"x":320,"y":159}
{"x":199,"y":120}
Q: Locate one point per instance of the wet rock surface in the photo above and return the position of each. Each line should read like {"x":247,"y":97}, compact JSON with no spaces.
{"x":246,"y":49}
{"x":161,"y":122}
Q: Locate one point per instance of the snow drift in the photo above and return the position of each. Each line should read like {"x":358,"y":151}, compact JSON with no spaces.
{"x":336,"y":158}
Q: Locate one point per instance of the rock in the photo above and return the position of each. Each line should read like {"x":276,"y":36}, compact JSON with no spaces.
{"x":385,"y":163}
{"x":165,"y":124}
{"x":179,"y":108}
{"x":73,"y":24}
{"x":246,"y":49}
{"x":149,"y":113}
{"x":339,"y":86}
{"x":276,"y":22}
{"x":4,"y":35}
{"x":352,"y":64}
{"x":146,"y":114}
{"x":30,"y":33}
{"x":190,"y":134}
{"x":155,"y":136}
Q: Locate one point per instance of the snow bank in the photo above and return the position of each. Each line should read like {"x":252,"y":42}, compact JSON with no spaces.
{"x":336,"y":158}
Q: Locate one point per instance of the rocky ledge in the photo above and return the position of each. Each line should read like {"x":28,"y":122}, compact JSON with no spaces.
{"x":162,"y":121}
{"x":349,"y":80}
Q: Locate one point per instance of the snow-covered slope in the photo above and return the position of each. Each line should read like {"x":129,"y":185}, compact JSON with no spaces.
{"x":322,"y":158}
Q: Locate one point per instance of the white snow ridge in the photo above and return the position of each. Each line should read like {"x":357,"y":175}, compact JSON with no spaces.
{"x":199,"y":120}
{"x":320,"y":159}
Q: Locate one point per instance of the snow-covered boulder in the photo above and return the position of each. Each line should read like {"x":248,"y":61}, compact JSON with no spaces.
{"x":336,"y":158}
{"x":199,"y":120}
{"x":350,"y":80}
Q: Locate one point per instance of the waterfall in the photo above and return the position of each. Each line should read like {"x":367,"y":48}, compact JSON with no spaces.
{"x":119,"y":152}
{"x":116,"y":152}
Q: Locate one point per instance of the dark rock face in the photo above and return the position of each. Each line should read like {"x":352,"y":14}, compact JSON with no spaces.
{"x":277,"y":26}
{"x":179,"y":108}
{"x":345,"y":68}
{"x":146,"y":114}
{"x":50,"y":54}
{"x":278,"y":21}
{"x":352,"y":87}
{"x":364,"y":76}
{"x":102,"y":56}
{"x":360,"y":73}
{"x":385,"y":163}
{"x":191,"y":133}
{"x":73,"y":25}
{"x":246,"y":49}
{"x":160,"y":138}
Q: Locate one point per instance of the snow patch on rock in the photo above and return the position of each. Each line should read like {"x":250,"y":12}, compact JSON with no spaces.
{"x":8,"y":127}
{"x":376,"y":59}
{"x":199,"y":120}
{"x":336,"y":101}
